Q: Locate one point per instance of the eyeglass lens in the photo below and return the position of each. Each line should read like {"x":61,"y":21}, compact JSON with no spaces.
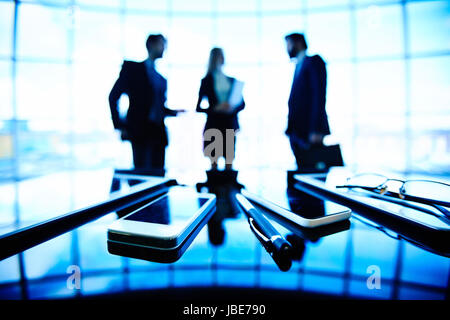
{"x":426,"y":189}
{"x":367,"y":180}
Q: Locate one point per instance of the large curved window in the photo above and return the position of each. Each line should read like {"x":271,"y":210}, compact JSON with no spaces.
{"x":388,"y":82}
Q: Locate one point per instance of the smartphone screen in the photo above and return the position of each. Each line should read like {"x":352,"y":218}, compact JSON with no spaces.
{"x":301,"y":203}
{"x":162,"y":229}
{"x":175,"y":208}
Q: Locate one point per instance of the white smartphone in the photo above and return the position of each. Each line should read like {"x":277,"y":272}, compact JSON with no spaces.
{"x":162,"y":229}
{"x":300,"y":208}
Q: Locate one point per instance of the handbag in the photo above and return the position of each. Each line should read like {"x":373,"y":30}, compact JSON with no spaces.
{"x":319,"y":158}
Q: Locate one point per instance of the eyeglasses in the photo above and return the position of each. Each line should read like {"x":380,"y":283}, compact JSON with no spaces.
{"x":422,"y":191}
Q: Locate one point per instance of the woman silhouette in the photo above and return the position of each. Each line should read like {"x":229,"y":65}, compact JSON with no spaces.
{"x":216,"y":88}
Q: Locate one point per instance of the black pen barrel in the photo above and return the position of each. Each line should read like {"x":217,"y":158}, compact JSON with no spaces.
{"x":277,"y":246}
{"x":265,"y":226}
{"x":282,"y":247}
{"x":278,"y":243}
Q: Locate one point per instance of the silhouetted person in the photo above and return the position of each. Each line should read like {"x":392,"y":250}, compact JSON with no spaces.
{"x":144,"y":124}
{"x":225,"y":186}
{"x":216,"y":87}
{"x":307,"y":119}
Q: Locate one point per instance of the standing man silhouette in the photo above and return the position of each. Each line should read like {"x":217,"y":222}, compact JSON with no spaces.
{"x":307,"y":119}
{"x":144,"y":124}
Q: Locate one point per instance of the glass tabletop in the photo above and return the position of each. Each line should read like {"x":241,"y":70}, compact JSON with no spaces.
{"x":362,"y":260}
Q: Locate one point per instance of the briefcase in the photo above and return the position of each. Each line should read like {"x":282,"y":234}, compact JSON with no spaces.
{"x":319,"y":158}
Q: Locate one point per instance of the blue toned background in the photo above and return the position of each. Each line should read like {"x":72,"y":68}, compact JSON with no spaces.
{"x":388,"y":103}
{"x":388,"y":70}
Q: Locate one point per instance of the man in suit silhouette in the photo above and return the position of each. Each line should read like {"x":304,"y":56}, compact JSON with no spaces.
{"x":144,"y":124}
{"x":307,"y":119}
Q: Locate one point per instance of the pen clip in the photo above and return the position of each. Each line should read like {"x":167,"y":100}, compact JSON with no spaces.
{"x":283,"y":264}
{"x":257,"y":232}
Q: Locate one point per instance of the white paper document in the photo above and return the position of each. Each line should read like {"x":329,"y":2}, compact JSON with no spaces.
{"x":236,"y":98}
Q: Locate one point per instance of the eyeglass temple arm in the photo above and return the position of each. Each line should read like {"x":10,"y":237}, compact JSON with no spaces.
{"x":438,"y":204}
{"x":442,"y":209}
{"x":409,"y":205}
{"x":355,"y":186}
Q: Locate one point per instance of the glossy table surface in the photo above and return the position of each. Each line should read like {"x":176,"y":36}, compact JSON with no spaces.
{"x":225,"y":254}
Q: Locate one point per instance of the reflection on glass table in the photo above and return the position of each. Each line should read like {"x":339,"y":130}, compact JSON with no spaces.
{"x":423,"y":224}
{"x":335,"y":264}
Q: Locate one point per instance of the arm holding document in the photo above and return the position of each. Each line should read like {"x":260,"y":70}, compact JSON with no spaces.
{"x":235,"y":100}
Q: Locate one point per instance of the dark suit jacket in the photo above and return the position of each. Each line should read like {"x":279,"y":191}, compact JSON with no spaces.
{"x":307,"y":100}
{"x":134,"y":82}
{"x":218,"y":120}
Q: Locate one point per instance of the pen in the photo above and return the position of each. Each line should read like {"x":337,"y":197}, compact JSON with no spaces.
{"x":277,"y":246}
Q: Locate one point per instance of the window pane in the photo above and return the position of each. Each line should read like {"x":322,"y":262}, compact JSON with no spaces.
{"x":42,"y":31}
{"x":339,"y":89}
{"x":378,"y":147}
{"x":425,"y":123}
{"x":429,"y":145}
{"x":6,"y":27}
{"x":186,"y":133}
{"x":274,"y":29}
{"x":363,"y":2}
{"x":270,"y":5}
{"x":430,"y":83}
{"x":90,"y":95}
{"x":379,"y":31}
{"x":276,"y":82}
{"x":43,"y":147}
{"x":34,"y":196}
{"x":239,"y":38}
{"x":326,"y":3}
{"x":101,"y":3}
{"x":340,"y":105}
{"x":192,"y":5}
{"x":331,"y":39}
{"x":42,"y":91}
{"x":54,"y":2}
{"x":159,"y":5}
{"x":236,"y":5}
{"x":6,"y":156}
{"x":183,"y":85}
{"x":6,"y":111}
{"x":261,"y":143}
{"x":264,"y":119}
{"x":97,"y":36}
{"x":190,"y":40}
{"x":429,"y":26}
{"x":137,"y":28}
{"x":381,"y":88}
